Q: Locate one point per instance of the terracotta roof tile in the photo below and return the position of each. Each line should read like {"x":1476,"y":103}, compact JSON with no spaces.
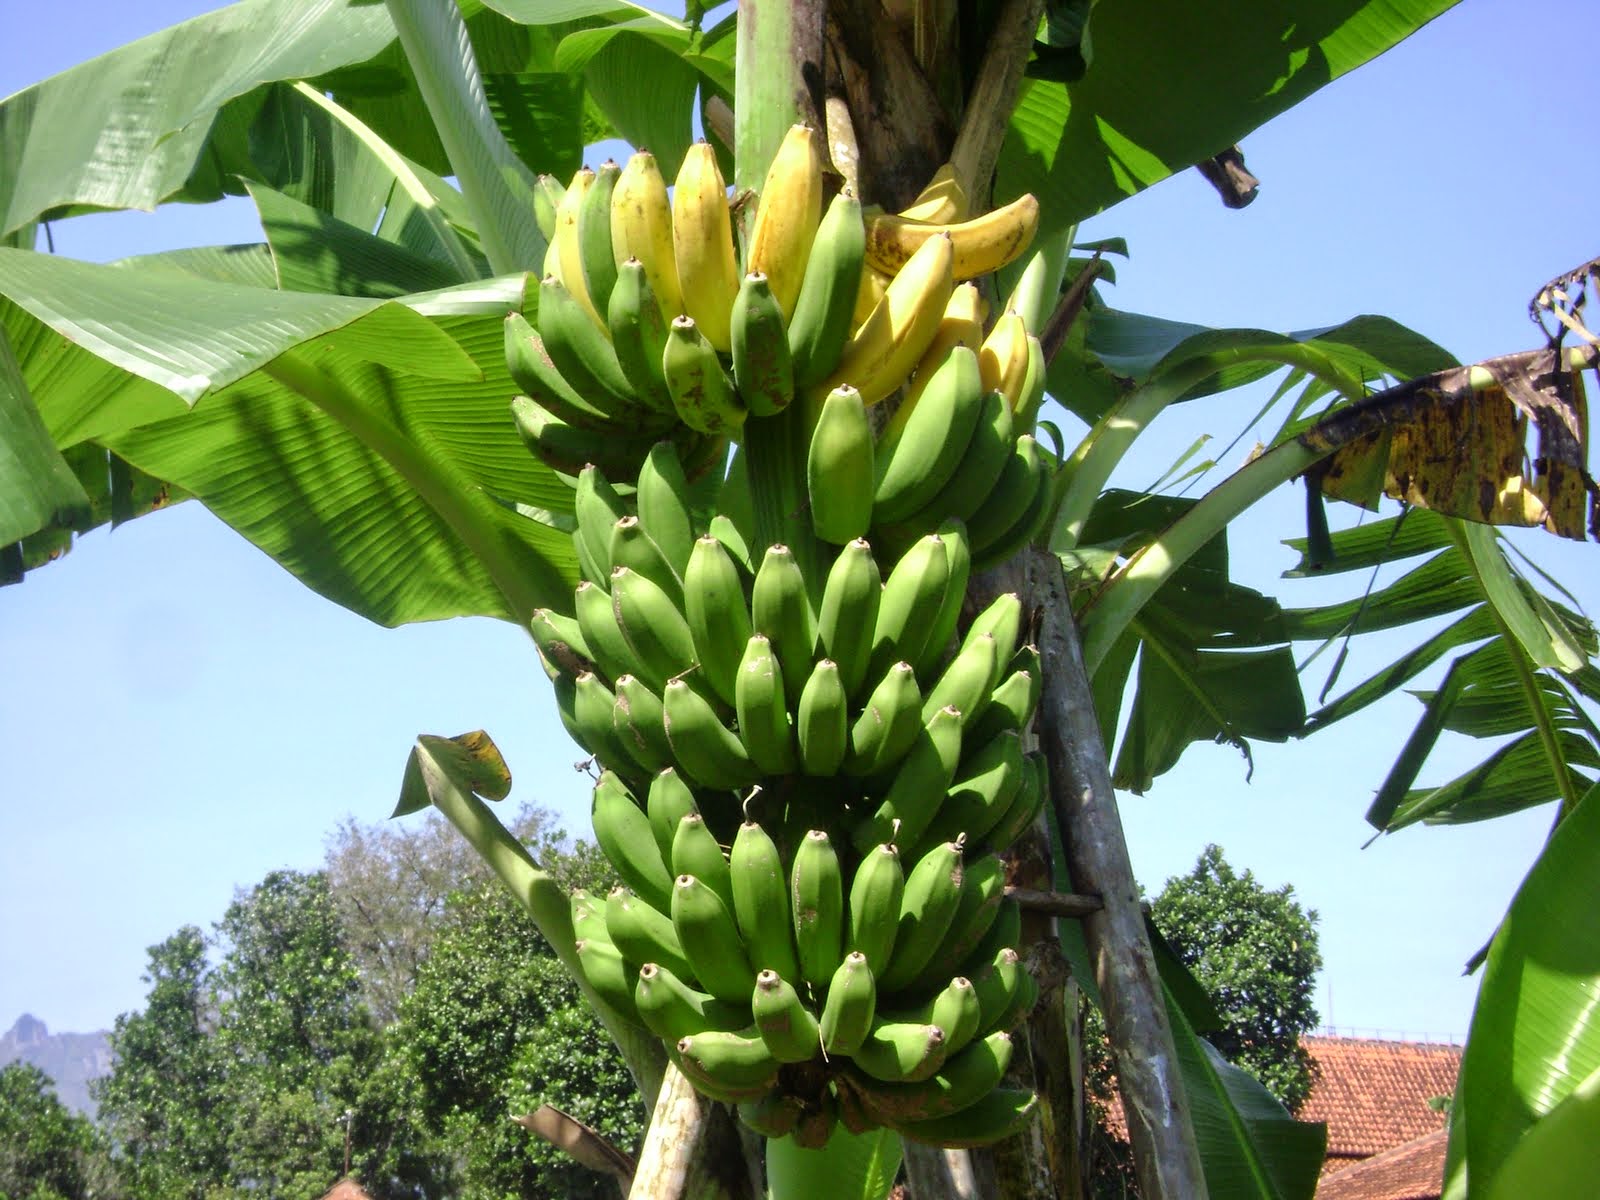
{"x":1374,"y":1095}
{"x":1413,"y":1171}
{"x":347,"y":1189}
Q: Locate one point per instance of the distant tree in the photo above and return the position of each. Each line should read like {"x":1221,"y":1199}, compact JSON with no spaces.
{"x":390,"y":881}
{"x":47,"y":1152}
{"x":1255,"y":950}
{"x":159,"y":1104}
{"x":495,"y":1028}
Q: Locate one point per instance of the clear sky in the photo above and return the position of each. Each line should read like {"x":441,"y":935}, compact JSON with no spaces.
{"x":179,"y":716}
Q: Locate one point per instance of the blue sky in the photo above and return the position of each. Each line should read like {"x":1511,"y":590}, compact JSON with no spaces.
{"x":182,"y":716}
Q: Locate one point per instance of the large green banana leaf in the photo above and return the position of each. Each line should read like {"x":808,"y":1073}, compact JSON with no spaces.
{"x":365,"y":444}
{"x":1170,"y":83}
{"x":1523,"y":1122}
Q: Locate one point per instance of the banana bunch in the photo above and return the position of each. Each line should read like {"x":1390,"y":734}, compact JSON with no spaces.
{"x":807,"y":985}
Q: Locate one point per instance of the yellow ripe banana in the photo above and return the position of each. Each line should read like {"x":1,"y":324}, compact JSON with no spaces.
{"x":982,"y":245}
{"x":870,"y":291}
{"x":1003,"y":358}
{"x":641,"y":227}
{"x":894,"y":338}
{"x":961,"y":325}
{"x":788,"y":215}
{"x":944,"y":199}
{"x":702,"y":239}
{"x":566,"y":246}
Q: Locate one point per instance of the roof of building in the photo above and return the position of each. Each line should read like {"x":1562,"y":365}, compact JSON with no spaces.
{"x":1412,"y":1171}
{"x":346,"y":1189}
{"x":1374,"y":1094}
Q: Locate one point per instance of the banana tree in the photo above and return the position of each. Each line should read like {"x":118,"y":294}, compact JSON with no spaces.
{"x":354,"y":361}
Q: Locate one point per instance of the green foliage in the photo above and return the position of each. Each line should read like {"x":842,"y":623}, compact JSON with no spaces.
{"x":47,"y":1152}
{"x":1255,"y":950}
{"x":240,"y":1077}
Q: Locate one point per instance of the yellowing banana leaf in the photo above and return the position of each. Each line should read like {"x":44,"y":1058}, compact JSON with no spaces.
{"x":1523,"y":1121}
{"x":364,"y":444}
{"x":1171,"y":83}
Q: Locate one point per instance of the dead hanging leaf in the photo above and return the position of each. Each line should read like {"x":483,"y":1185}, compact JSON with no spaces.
{"x":1457,"y":442}
{"x":582,"y":1143}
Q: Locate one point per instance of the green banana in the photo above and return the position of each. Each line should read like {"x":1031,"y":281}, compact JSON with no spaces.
{"x":781,"y":609}
{"x":913,"y":595}
{"x":1013,"y":700}
{"x":982,"y":791}
{"x":1003,"y":1113}
{"x":923,"y":444}
{"x":761,"y":901}
{"x":707,"y":751}
{"x":954,"y":1009}
{"x":785,"y":1023}
{"x":775,"y":1115}
{"x":888,"y":725}
{"x":733,"y":1061}
{"x":566,"y":448}
{"x":547,"y":193}
{"x":642,"y":933}
{"x":764,"y":724}
{"x":669,"y":800}
{"x":581,"y":350}
{"x":762,"y":367}
{"x":639,"y":336}
{"x":695,"y":852}
{"x":671,"y":1009}
{"x":850,"y":1007}
{"x":597,"y":507}
{"x":966,"y":1078}
{"x":820,"y":323}
{"x":1012,"y":494}
{"x":560,"y":639}
{"x":932,"y":895}
{"x":598,"y":624}
{"x":816,"y":900}
{"x":875,"y":896}
{"x":1033,"y":385}
{"x":983,"y":893}
{"x":623,"y":831}
{"x":703,"y":395}
{"x":901,"y":1051}
{"x":662,"y":499}
{"x":718,"y":615}
{"x":984,"y":458}
{"x":1025,"y":805}
{"x":594,"y":236}
{"x":711,"y":941}
{"x":1004,"y":934}
{"x":592,"y":703}
{"x":1003,"y":619}
{"x":636,"y":722}
{"x":822,"y":721}
{"x":531,"y":369}
{"x":1027,"y":526}
{"x":588,"y":914}
{"x":964,"y":685}
{"x":958,"y":560}
{"x":604,"y":970}
{"x":848,"y":612}
{"x":1006,"y":991}
{"x":736,"y":507}
{"x":919,"y":785}
{"x":653,"y":627}
{"x":632,"y":547}
{"x":839,"y":471}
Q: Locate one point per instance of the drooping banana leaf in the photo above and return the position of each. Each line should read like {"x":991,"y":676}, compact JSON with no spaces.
{"x":1171,"y":83}
{"x":364,"y":444}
